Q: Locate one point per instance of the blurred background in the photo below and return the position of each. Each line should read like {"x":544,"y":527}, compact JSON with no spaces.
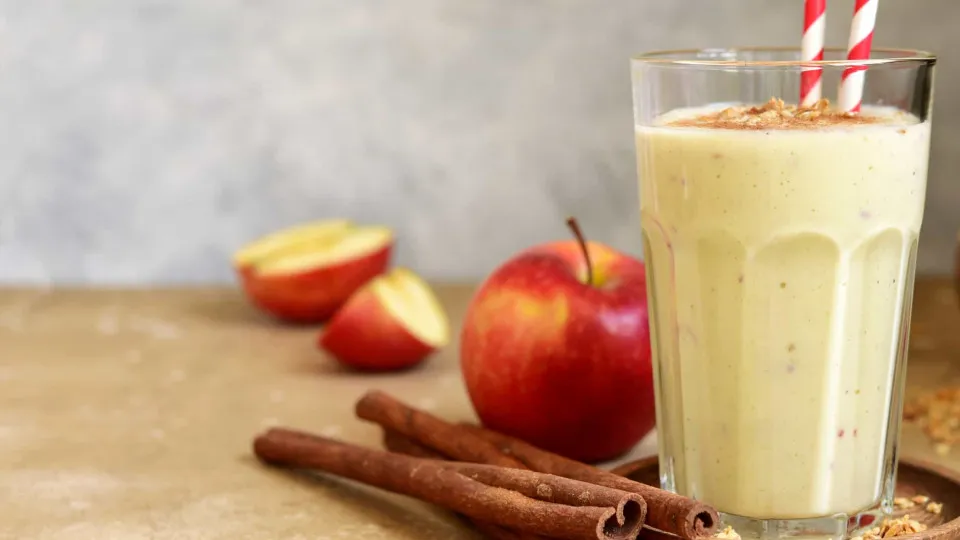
{"x":143,"y":141}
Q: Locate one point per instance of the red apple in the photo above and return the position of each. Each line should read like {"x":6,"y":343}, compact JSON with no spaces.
{"x":555,"y":350}
{"x":393,"y":322}
{"x":306,"y":273}
{"x":291,"y":240}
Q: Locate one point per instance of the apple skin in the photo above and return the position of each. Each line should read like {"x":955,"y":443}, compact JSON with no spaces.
{"x":564,"y":365}
{"x":364,"y":335}
{"x":313,"y":295}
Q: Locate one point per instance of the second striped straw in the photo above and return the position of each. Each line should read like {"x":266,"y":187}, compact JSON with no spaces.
{"x":861,"y":38}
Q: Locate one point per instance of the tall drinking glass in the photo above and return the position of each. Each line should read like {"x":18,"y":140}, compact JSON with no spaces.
{"x":781,"y":245}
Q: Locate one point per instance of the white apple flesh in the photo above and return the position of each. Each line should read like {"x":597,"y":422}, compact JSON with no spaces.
{"x":393,"y":322}
{"x":305,"y":275}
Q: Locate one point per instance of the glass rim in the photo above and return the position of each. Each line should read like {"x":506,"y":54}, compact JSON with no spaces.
{"x":687,"y":57}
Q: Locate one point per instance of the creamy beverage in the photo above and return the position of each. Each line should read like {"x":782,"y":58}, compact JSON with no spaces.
{"x":780,"y":246}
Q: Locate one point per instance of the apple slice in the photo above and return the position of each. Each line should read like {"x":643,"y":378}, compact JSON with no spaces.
{"x":294,"y":239}
{"x":306,"y":277}
{"x":393,"y":322}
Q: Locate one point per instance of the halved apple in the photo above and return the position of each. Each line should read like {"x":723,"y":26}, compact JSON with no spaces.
{"x":305,"y":274}
{"x":299,"y":238}
{"x":393,"y":322}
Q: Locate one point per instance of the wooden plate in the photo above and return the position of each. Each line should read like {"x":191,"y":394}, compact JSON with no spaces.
{"x":914,"y":477}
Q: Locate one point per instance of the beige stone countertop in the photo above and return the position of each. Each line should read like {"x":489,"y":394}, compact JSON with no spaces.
{"x":129,"y":415}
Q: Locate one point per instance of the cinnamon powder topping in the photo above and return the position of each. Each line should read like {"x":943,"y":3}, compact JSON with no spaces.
{"x":775,"y":114}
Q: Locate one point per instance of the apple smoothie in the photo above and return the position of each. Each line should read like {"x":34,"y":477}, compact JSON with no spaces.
{"x":780,"y":245}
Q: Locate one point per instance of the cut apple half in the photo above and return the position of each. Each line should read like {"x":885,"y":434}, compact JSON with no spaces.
{"x":296,"y":239}
{"x":304,"y":274}
{"x":409,"y":300}
{"x":336,"y":247}
{"x":394,"y":322}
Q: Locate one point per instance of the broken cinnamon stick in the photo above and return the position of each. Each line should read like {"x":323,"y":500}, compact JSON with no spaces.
{"x":664,"y":510}
{"x":520,"y":500}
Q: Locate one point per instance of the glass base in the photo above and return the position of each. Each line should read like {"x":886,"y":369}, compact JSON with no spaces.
{"x":838,"y":526}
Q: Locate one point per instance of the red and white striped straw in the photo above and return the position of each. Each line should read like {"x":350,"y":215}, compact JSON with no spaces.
{"x":861,"y":38}
{"x":811,"y":49}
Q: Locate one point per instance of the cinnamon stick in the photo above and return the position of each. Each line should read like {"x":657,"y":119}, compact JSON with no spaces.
{"x":396,"y":442}
{"x":524,"y":501}
{"x":401,"y":444}
{"x":430,"y":431}
{"x":664,"y":510}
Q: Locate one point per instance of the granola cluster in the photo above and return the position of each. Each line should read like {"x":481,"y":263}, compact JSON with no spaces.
{"x":728,"y":534}
{"x":938,"y":414}
{"x":775,"y":114}
{"x":889,"y":528}
{"x":901,"y":526}
{"x":905,"y":503}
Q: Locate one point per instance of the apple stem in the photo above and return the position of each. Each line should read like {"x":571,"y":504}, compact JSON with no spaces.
{"x":578,"y":234}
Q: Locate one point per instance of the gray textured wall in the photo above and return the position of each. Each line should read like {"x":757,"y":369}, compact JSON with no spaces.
{"x":142,"y":141}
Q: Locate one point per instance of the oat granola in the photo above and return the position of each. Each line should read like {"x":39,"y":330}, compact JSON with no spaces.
{"x":903,"y":503}
{"x":901,"y":526}
{"x":728,"y":533}
{"x":775,"y":114}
